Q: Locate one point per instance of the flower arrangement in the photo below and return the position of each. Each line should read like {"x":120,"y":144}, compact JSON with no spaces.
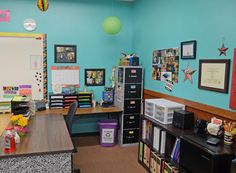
{"x":20,"y":123}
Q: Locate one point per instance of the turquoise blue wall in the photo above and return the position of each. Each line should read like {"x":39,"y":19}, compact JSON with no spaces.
{"x":147,"y":25}
{"x":160,"y":24}
{"x":77,"y":22}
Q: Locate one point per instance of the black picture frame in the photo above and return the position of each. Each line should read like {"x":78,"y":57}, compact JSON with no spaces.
{"x":94,"y":77}
{"x":207,"y":79}
{"x":65,"y":53}
{"x":188,"y":49}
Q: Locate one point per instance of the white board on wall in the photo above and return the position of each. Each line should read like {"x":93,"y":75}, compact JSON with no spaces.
{"x":23,"y":65}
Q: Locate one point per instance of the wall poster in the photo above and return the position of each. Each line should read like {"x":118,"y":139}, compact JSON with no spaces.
{"x":165,"y":64}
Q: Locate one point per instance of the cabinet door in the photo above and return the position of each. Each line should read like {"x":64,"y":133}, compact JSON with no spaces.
{"x":194,"y":159}
{"x":133,"y":75}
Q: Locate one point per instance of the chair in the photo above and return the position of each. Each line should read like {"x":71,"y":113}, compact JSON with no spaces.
{"x":69,"y":122}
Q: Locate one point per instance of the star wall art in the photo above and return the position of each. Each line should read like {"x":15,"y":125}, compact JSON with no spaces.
{"x":188,"y":74}
{"x":223,"y":49}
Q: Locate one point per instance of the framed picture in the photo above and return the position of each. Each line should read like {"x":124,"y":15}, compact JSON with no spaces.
{"x":65,"y":53}
{"x":94,"y":77}
{"x":188,"y":49}
{"x":214,"y":75}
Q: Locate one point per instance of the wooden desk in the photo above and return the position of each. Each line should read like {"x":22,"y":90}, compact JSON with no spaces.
{"x":4,"y":121}
{"x":83,"y":111}
{"x":47,"y":147}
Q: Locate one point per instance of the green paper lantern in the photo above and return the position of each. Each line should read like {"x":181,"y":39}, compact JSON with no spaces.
{"x":112,"y":25}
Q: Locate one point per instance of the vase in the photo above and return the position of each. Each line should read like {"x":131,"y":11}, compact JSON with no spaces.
{"x":21,"y":130}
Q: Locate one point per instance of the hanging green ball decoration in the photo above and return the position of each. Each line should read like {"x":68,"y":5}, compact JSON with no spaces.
{"x":112,"y":25}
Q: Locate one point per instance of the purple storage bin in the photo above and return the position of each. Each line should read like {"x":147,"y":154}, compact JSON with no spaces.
{"x":108,"y":128}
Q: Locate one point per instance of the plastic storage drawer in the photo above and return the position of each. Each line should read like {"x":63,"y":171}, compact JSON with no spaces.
{"x":165,"y":115}
{"x":162,"y":110}
{"x":149,"y":108}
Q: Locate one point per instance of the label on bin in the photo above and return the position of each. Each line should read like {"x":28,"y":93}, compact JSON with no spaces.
{"x":108,"y":136}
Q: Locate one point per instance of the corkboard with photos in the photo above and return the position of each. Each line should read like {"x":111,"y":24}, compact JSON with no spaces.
{"x":165,"y":64}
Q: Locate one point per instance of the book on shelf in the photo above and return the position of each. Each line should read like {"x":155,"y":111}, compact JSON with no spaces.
{"x":146,"y":155}
{"x":153,"y":162}
{"x":163,"y":142}
{"x":167,"y":167}
{"x":144,"y":125}
{"x":156,"y":138}
{"x":140,"y":151}
{"x":159,"y":160}
{"x":149,"y":132}
{"x":175,"y":151}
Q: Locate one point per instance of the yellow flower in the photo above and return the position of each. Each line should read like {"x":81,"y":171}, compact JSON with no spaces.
{"x":14,"y":118}
{"x":22,"y":122}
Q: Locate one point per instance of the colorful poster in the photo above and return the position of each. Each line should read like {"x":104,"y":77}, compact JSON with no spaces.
{"x":4,"y":15}
{"x":165,"y":64}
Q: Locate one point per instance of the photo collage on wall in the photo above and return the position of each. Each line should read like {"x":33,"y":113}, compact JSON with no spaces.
{"x":165,"y":65}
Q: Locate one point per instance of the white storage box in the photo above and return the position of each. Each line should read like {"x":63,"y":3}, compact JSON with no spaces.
{"x":149,"y":107}
{"x":162,"y":110}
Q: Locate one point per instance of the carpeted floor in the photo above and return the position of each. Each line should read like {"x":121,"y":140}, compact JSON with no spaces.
{"x":93,"y":158}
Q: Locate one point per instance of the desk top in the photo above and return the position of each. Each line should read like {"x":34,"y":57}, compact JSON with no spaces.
{"x":82,"y":111}
{"x":4,"y":121}
{"x":47,"y":135}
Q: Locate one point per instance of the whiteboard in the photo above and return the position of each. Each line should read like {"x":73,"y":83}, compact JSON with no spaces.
{"x":23,"y":65}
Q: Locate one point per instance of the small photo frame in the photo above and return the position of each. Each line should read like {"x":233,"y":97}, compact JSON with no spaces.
{"x":214,"y":75}
{"x":94,"y":77}
{"x":188,"y":49}
{"x":65,"y":53}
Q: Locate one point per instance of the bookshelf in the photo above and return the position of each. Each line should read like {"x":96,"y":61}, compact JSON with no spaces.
{"x":195,"y":155}
{"x":155,"y":148}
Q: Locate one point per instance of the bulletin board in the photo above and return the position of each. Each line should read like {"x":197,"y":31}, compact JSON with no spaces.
{"x":65,"y":75}
{"x":23,"y":66}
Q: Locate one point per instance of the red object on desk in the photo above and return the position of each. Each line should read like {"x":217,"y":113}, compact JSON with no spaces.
{"x":232,"y":103}
{"x":9,"y":140}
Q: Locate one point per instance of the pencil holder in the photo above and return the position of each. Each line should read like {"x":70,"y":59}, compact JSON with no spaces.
{"x":228,"y":138}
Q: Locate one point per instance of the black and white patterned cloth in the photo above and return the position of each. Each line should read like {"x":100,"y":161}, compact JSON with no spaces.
{"x":47,"y":163}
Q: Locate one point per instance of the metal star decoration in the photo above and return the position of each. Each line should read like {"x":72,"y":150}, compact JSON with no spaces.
{"x":188,"y":74}
{"x":223,"y":49}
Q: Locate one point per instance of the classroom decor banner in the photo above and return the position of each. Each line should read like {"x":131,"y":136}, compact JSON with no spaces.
{"x":165,"y":64}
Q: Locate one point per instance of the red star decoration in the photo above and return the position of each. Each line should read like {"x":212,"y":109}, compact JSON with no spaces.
{"x":223,"y":50}
{"x":188,"y":74}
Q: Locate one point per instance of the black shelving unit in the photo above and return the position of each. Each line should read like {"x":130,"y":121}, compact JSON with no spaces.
{"x":195,"y":154}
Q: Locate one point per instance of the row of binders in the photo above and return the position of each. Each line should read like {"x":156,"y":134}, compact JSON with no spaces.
{"x":154,"y":136}
{"x":153,"y":161}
